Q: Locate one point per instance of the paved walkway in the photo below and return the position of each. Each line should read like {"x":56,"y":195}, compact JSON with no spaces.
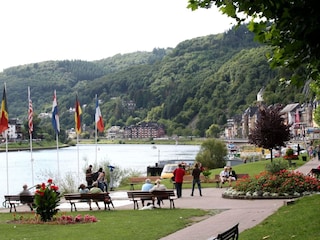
{"x":247,"y":213}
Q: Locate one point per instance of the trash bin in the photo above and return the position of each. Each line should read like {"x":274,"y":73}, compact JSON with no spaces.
{"x":304,"y":158}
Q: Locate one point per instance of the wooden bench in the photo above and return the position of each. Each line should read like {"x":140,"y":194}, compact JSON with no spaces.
{"x":136,"y":196}
{"x":15,"y":200}
{"x":239,"y":176}
{"x":140,"y":180}
{"x":74,"y":198}
{"x":232,"y":233}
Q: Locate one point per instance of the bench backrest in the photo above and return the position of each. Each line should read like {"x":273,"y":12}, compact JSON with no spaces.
{"x":12,"y":197}
{"x":21,"y":198}
{"x":232,"y":233}
{"x":138,"y":194}
{"x":94,"y":196}
{"x":164,"y":194}
{"x":143,"y":179}
{"x":87,"y":196}
{"x":141,"y":194}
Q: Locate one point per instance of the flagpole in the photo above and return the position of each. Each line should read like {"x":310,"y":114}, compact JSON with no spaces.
{"x":5,"y":126}
{"x":31,"y":156}
{"x":57,"y":140}
{"x":56,"y":125}
{"x":96,"y":133}
{"x":7,"y":162}
{"x":30,"y":124}
{"x":78,"y":159}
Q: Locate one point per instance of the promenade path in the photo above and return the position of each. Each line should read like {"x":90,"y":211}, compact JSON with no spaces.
{"x":248,"y":213}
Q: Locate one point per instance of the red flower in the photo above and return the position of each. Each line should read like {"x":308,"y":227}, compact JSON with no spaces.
{"x":50,"y":181}
{"x":53,"y":187}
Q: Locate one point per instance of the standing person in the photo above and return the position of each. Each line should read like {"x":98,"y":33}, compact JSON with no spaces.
{"x":318,"y":151}
{"x":89,"y":176}
{"x":196,"y":179}
{"x":178,"y":173}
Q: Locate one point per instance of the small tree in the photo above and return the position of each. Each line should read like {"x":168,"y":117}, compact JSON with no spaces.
{"x":212,"y":154}
{"x":270,"y":130}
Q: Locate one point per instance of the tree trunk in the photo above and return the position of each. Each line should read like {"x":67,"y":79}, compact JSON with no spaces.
{"x":271,"y":154}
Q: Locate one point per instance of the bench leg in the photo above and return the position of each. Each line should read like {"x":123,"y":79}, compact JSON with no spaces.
{"x":12,"y":205}
{"x":172,"y":203}
{"x":135,"y":204}
{"x":73,"y":206}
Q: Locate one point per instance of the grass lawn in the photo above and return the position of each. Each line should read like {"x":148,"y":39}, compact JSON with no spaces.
{"x":300,"y":220}
{"x":124,"y":224}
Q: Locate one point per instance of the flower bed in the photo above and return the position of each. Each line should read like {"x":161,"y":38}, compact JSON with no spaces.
{"x":284,"y":184}
{"x":62,"y":220}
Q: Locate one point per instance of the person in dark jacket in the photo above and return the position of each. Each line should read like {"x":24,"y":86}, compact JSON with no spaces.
{"x":196,"y":178}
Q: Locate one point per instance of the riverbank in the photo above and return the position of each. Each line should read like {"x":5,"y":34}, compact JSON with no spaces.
{"x":24,"y":146}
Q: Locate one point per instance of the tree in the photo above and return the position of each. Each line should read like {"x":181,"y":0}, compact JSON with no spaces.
{"x":290,"y":27}
{"x":212,"y":154}
{"x":269,"y":131}
{"x":213,"y":131}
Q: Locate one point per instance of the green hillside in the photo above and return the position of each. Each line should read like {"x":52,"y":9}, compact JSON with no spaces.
{"x":202,"y":81}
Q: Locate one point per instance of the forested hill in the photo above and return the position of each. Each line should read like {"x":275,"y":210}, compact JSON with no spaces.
{"x":202,"y":81}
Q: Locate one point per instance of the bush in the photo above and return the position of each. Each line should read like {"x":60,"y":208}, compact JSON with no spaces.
{"x":283,"y":183}
{"x":276,"y":166}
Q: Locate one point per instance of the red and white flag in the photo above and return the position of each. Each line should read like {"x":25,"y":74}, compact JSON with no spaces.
{"x":98,"y":117}
{"x":30,"y":113}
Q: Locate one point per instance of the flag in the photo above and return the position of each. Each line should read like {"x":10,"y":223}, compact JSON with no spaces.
{"x":55,"y":116}
{"x":77,"y":116}
{"x":4,"y":117}
{"x":30,"y":113}
{"x":99,"y":120}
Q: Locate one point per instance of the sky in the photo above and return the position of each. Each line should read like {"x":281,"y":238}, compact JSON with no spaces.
{"x":42,"y":30}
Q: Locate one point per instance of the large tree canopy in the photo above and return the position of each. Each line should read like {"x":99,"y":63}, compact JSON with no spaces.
{"x":291,"y":27}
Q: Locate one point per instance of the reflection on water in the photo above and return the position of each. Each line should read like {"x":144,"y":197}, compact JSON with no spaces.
{"x":67,"y":160}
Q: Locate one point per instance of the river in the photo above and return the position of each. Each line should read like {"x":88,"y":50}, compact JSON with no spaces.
{"x":16,"y":168}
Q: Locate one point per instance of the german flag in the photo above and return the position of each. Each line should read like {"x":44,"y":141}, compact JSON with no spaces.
{"x":4,"y":117}
{"x":77,"y":116}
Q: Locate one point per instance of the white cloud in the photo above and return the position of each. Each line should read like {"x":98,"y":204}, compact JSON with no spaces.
{"x":41,"y":30}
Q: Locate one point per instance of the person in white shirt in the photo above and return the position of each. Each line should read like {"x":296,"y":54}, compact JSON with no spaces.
{"x":224,"y":175}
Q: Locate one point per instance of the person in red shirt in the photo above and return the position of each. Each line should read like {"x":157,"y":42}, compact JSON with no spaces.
{"x":178,"y":173}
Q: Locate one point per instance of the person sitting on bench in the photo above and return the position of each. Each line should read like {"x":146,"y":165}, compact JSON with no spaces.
{"x":314,"y":172}
{"x":26,"y":192}
{"x":158,"y":187}
{"x":146,"y":188}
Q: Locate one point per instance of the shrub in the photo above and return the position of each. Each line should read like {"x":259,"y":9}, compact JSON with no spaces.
{"x":276,"y":166}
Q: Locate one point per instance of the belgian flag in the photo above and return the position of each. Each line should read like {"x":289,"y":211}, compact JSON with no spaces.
{"x":4,"y":117}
